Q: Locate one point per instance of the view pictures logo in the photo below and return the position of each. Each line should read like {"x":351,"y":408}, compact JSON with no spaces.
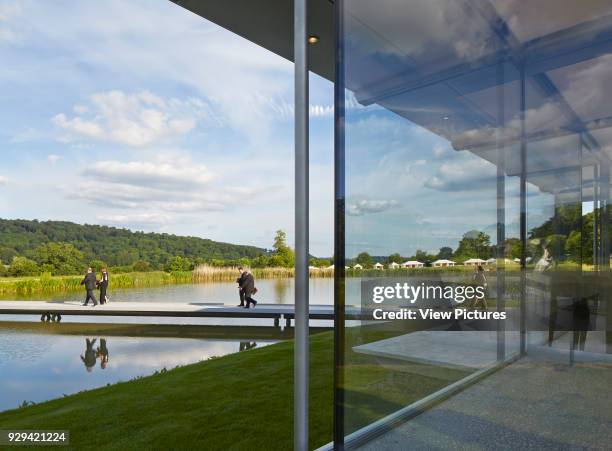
{"x":411,"y":293}
{"x":412,"y":298}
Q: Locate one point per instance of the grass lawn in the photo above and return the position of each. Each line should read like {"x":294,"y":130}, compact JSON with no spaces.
{"x":239,"y":401}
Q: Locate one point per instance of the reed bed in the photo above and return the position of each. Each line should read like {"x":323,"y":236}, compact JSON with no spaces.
{"x":46,"y":284}
{"x":207,"y":273}
{"x":24,"y":286}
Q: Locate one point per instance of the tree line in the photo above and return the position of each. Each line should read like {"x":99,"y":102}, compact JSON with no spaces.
{"x":31,"y":247}
{"x":568,"y":237}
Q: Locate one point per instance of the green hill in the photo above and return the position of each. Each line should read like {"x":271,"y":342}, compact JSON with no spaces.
{"x":115,"y":247}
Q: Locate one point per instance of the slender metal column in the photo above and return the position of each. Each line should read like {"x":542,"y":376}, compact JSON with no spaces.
{"x":501,"y":215}
{"x":605,"y":216}
{"x":301,"y":352}
{"x":339,"y":242}
{"x":595,"y":218}
{"x":523,"y":220}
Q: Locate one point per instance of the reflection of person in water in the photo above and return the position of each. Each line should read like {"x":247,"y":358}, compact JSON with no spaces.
{"x":90,"y":355}
{"x":246,"y":345}
{"x":102,"y":352}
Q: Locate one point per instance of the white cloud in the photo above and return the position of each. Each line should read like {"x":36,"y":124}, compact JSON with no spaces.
{"x":172,"y":175}
{"x":365,"y":207}
{"x":136,"y":120}
{"x":3,"y":180}
{"x":156,"y":190}
{"x":52,"y":158}
{"x":462,"y":175}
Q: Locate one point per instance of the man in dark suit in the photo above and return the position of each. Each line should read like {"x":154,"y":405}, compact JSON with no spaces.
{"x":90,"y":285}
{"x":249,"y":289}
{"x":240,"y":281}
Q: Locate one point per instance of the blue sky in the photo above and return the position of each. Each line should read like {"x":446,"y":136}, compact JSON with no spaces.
{"x":140,"y":114}
{"x":143,"y":115}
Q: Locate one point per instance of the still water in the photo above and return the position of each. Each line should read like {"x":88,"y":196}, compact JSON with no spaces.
{"x":270,"y":291}
{"x":36,"y":366}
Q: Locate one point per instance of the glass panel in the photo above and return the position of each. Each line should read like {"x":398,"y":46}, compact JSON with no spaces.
{"x":477,"y":160}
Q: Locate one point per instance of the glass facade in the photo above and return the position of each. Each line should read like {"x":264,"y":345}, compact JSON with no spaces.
{"x":473,"y":150}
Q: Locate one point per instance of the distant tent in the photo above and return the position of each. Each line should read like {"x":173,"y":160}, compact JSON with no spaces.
{"x":492,"y":261}
{"x":442,"y":263}
{"x":330,"y":267}
{"x":412,"y":264}
{"x":393,"y":265}
{"x":357,"y":266}
{"x":378,"y":265}
{"x":475,"y":262}
{"x":313,"y":268}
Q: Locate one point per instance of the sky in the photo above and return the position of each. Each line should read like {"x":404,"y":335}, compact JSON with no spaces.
{"x":141,"y":114}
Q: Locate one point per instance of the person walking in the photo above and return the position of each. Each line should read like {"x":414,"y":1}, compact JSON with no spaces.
{"x":103,"y":286}
{"x":249,"y":289}
{"x":240,"y":281}
{"x":481,"y":280}
{"x":90,"y":285}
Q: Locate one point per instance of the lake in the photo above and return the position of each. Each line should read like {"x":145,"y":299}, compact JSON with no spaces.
{"x":36,"y":366}
{"x":270,"y":291}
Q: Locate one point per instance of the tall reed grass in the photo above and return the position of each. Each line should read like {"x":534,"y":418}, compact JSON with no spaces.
{"x":47,"y":284}
{"x":24,"y":286}
{"x":206,"y":273}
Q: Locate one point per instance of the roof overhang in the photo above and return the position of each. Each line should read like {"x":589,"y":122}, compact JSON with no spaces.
{"x":269,"y":23}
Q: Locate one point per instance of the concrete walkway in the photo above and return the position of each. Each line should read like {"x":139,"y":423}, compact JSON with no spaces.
{"x":537,"y":403}
{"x":162,"y":309}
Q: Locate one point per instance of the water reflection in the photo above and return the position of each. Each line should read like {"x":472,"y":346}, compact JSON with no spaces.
{"x":35,"y":367}
{"x":89,"y":359}
{"x":246,"y":345}
{"x":281,"y":286}
{"x":270,"y":291}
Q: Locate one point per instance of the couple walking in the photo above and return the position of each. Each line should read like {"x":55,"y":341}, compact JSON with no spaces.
{"x":91,"y":283}
{"x":246,"y":288}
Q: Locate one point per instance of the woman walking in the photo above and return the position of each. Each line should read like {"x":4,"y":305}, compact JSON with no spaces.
{"x":103,"y":286}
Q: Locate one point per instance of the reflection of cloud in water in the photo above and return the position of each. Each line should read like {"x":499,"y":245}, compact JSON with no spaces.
{"x":19,"y":346}
{"x":41,"y":367}
{"x":169,"y":353}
